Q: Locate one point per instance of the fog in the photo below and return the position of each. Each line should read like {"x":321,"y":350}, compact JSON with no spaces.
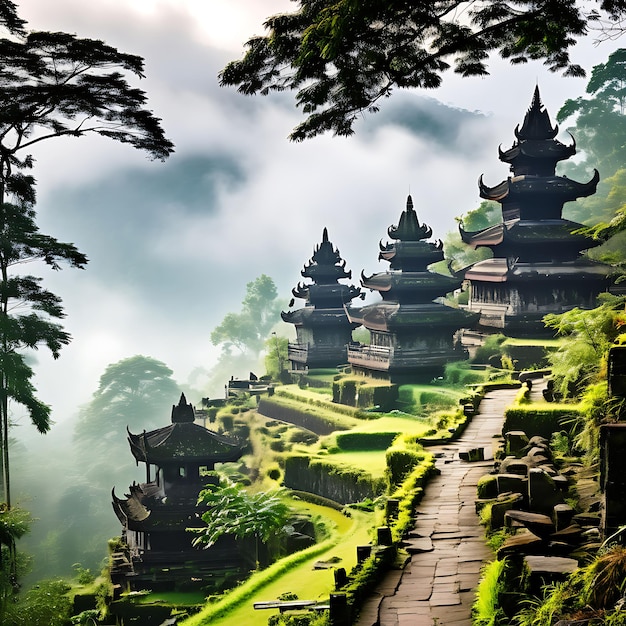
{"x":172,"y":245}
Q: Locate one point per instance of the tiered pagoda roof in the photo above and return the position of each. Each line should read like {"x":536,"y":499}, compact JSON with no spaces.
{"x":322,"y":326}
{"x":182,"y":440}
{"x":534,"y":192}
{"x":537,"y":266}
{"x":408,"y":288}
{"x":325,"y":268}
{"x":156,"y":515}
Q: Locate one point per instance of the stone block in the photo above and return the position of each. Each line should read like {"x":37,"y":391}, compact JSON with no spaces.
{"x":562,"y":515}
{"x":537,"y":523}
{"x":523,"y":542}
{"x":513,"y":465}
{"x":570,"y":535}
{"x":543,"y":493}
{"x":544,"y":570}
{"x":516,"y":441}
{"x":487,"y":487}
{"x":512,"y":482}
{"x":500,"y":506}
{"x":538,"y":441}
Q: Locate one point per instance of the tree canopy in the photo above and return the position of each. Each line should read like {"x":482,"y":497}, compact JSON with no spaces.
{"x":600,"y":127}
{"x":247,"y":330}
{"x":55,"y":84}
{"x":137,"y":392}
{"x":600,"y":131}
{"x":342,"y":57}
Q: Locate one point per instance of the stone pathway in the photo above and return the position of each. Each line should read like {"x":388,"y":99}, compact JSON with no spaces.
{"x":447,"y":545}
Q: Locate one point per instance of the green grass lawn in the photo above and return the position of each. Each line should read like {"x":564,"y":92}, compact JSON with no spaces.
{"x":301,"y":578}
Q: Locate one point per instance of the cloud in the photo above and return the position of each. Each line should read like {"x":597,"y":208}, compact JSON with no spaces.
{"x":173,"y":245}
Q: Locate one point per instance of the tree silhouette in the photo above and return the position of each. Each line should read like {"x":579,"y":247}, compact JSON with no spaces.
{"x":52,"y":85}
{"x":28,"y":315}
{"x":247,"y":330}
{"x":343,"y":57}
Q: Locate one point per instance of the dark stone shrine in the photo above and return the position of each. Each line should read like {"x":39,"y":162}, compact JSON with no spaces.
{"x":537,"y":266}
{"x":323,"y":330}
{"x":155,"y":514}
{"x":412,"y":334}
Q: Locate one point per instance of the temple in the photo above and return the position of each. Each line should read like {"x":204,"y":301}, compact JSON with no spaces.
{"x":158,"y":552}
{"x":323,"y":330}
{"x":412,"y":335}
{"x":537,"y":265}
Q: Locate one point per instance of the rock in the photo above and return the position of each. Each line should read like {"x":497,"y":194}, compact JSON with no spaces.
{"x":524,"y":542}
{"x":475,"y":454}
{"x":536,"y":523}
{"x":514,"y":483}
{"x":500,"y":507}
{"x":543,"y":570}
{"x":587,"y":519}
{"x":513,"y":465}
{"x":569,"y":535}
{"x":543,"y":493}
{"x":516,"y":441}
{"x":487,"y":487}
{"x":562,"y":515}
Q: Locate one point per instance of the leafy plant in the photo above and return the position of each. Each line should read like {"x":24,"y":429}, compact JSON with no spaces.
{"x":239,"y":513}
{"x":604,"y":578}
{"x":46,"y":604}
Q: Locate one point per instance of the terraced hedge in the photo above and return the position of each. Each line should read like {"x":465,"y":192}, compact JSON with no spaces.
{"x":329,"y":480}
{"x":539,"y":419}
{"x":305,"y":417}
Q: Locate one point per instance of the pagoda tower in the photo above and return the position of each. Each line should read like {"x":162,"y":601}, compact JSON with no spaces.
{"x":155,"y":515}
{"x":323,"y":330}
{"x":412,"y":335}
{"x":537,"y":265}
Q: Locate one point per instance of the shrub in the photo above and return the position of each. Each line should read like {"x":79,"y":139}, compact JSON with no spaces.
{"x":278,"y":445}
{"x":492,"y":347}
{"x":227,"y":422}
{"x":47,"y":604}
{"x":399,"y":465}
{"x":302,"y":436}
{"x":603,"y":579}
{"x":537,"y":419}
{"x":365,"y":441}
{"x":274,"y":473}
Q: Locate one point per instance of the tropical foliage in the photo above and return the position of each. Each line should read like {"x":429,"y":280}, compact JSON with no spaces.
{"x":28,"y":315}
{"x":341,"y":58}
{"x":239,"y":513}
{"x":589,"y":335}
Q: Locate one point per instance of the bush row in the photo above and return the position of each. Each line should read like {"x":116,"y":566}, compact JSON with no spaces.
{"x":539,"y":420}
{"x":342,"y":484}
{"x":325,"y":404}
{"x":316,"y":423}
{"x":365,"y":441}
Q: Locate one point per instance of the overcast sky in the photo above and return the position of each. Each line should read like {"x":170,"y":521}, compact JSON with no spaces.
{"x":172,"y":245}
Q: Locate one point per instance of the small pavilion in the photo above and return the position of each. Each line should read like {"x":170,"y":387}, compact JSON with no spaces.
{"x":155,"y":514}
